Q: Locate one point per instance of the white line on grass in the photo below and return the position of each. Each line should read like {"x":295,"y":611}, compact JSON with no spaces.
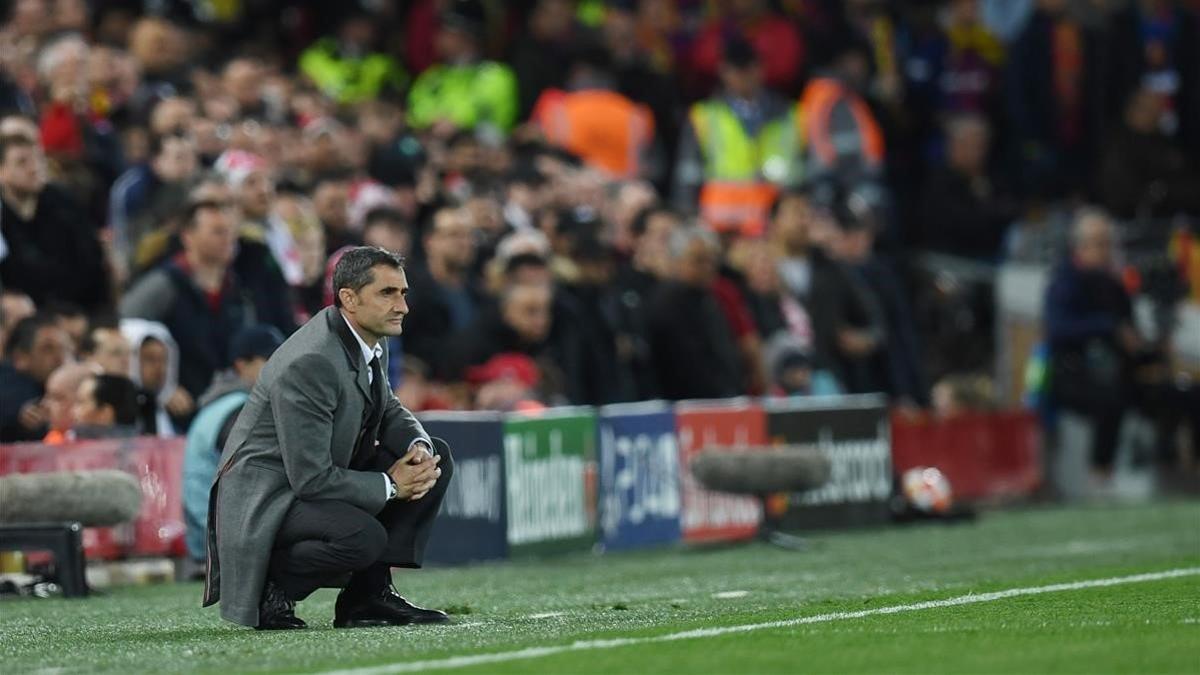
{"x":584,"y":645}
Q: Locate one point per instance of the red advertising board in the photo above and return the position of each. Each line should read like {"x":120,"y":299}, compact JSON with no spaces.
{"x":157,"y":463}
{"x":731,"y":426}
{"x":986,"y":456}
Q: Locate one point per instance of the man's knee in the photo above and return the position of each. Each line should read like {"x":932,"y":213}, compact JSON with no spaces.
{"x":446,"y":463}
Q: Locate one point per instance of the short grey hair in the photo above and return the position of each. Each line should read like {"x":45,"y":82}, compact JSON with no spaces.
{"x":1085,"y":215}
{"x":353,"y":269}
{"x":56,"y":51}
{"x":683,"y":237}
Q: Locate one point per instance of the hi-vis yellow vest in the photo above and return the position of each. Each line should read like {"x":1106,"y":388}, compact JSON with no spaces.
{"x":743,"y":174}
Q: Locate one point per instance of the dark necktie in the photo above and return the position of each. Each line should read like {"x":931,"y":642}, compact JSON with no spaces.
{"x":365,"y":449}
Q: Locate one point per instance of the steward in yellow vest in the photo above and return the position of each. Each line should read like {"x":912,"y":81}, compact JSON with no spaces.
{"x":739,"y":149}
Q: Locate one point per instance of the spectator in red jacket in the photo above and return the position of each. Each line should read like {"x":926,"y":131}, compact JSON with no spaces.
{"x":777,"y":42}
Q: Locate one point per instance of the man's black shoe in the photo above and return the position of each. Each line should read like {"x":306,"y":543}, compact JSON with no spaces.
{"x":383,"y":608}
{"x":276,"y":611}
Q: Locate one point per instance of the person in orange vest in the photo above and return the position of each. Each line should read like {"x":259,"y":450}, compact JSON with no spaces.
{"x":739,"y":149}
{"x":842,"y":139}
{"x":607,"y":130}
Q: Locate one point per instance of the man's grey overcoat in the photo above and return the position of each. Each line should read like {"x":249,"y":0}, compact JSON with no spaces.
{"x":294,"y":439}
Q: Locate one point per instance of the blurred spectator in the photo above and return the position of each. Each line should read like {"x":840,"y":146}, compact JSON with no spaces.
{"x":71,"y":319}
{"x":773,"y":38}
{"x":637,"y":281}
{"x":842,"y":139}
{"x":107,"y":350}
{"x":446,"y":299}
{"x":195,"y":295}
{"x":53,"y":252}
{"x":462,"y":89}
{"x":791,"y":372}
{"x":542,"y":59}
{"x":388,"y":229}
{"x":738,"y":148}
{"x":161,"y":50}
{"x":507,"y":382}
{"x":219,"y":408}
{"x":62,"y":388}
{"x":956,"y":394}
{"x":36,"y":347}
{"x":151,"y":189}
{"x":966,"y":212}
{"x":297,"y":213}
{"x":1155,"y":45}
{"x":14,"y":306}
{"x":607,"y":130}
{"x":1053,"y":94}
{"x":822,"y":304}
{"x":1143,"y":172}
{"x":347,"y":67}
{"x":522,"y":323}
{"x":693,"y":349}
{"x":267,"y":259}
{"x":331,"y":200}
{"x":106,"y":407}
{"x":897,"y":365}
{"x":164,"y":407}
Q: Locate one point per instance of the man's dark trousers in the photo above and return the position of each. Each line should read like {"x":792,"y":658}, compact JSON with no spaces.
{"x":321,"y":543}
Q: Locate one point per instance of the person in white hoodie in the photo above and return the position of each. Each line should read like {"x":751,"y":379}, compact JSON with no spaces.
{"x":154,"y":368}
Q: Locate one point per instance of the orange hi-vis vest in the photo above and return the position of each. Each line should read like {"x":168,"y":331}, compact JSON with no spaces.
{"x":607,"y":130}
{"x":743,"y":174}
{"x":817,"y":102}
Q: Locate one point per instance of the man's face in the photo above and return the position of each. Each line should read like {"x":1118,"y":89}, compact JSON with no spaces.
{"x":742,"y":82}
{"x":793,"y":222}
{"x":51,"y":347}
{"x":87,"y":411}
{"x":113,"y":352}
{"x":698,"y":265}
{"x":152,"y":360}
{"x":61,"y":391}
{"x":257,"y":192}
{"x":331,"y":201}
{"x":389,"y":236}
{"x":380,"y":306}
{"x":450,"y":242}
{"x":176,"y":161}
{"x":22,"y":171}
{"x":527,"y":312}
{"x":213,"y":239}
{"x":1094,"y":245}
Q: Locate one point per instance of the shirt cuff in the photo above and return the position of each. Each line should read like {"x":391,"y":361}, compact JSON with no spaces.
{"x":387,"y":487}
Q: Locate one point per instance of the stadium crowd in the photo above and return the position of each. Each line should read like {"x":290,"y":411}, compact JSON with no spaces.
{"x":599,"y":201}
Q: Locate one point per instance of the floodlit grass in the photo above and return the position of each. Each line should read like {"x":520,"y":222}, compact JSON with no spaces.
{"x":1143,"y":627}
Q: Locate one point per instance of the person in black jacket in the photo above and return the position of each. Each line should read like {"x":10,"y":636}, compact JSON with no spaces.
{"x":53,"y":251}
{"x":36,"y":348}
{"x":196,"y":295}
{"x":693,"y":349}
{"x":823,"y":305}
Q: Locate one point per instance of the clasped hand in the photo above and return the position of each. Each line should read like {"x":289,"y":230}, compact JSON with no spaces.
{"x":415,"y":473}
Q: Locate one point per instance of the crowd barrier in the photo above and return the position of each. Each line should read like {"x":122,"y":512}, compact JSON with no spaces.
{"x":616,"y":477}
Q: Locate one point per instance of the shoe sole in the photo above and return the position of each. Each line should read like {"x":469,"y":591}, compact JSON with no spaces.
{"x":365,"y":623}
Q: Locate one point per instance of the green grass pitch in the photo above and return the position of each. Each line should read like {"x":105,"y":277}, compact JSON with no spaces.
{"x":607,"y":614}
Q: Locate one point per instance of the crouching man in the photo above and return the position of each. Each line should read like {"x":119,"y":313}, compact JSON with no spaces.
{"x":326,"y":480}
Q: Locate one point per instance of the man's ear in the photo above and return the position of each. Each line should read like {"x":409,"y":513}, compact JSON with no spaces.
{"x":348,"y":297}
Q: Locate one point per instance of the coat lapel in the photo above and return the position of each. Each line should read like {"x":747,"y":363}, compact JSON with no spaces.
{"x":354,"y":354}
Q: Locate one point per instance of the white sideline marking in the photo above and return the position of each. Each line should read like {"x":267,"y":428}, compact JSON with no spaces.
{"x":544,"y":615}
{"x":583,"y":645}
{"x":730,"y":595}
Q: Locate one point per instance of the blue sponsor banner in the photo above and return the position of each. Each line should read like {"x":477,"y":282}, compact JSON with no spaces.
{"x":639,"y":500}
{"x":473,"y":522}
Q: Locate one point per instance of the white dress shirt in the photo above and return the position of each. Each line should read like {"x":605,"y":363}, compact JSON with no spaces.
{"x":369,"y":353}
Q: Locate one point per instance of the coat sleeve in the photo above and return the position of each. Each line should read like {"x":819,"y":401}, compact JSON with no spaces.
{"x":303,"y":402}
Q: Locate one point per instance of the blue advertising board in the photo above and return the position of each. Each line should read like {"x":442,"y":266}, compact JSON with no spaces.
{"x":639,"y":500}
{"x":473,"y":522}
